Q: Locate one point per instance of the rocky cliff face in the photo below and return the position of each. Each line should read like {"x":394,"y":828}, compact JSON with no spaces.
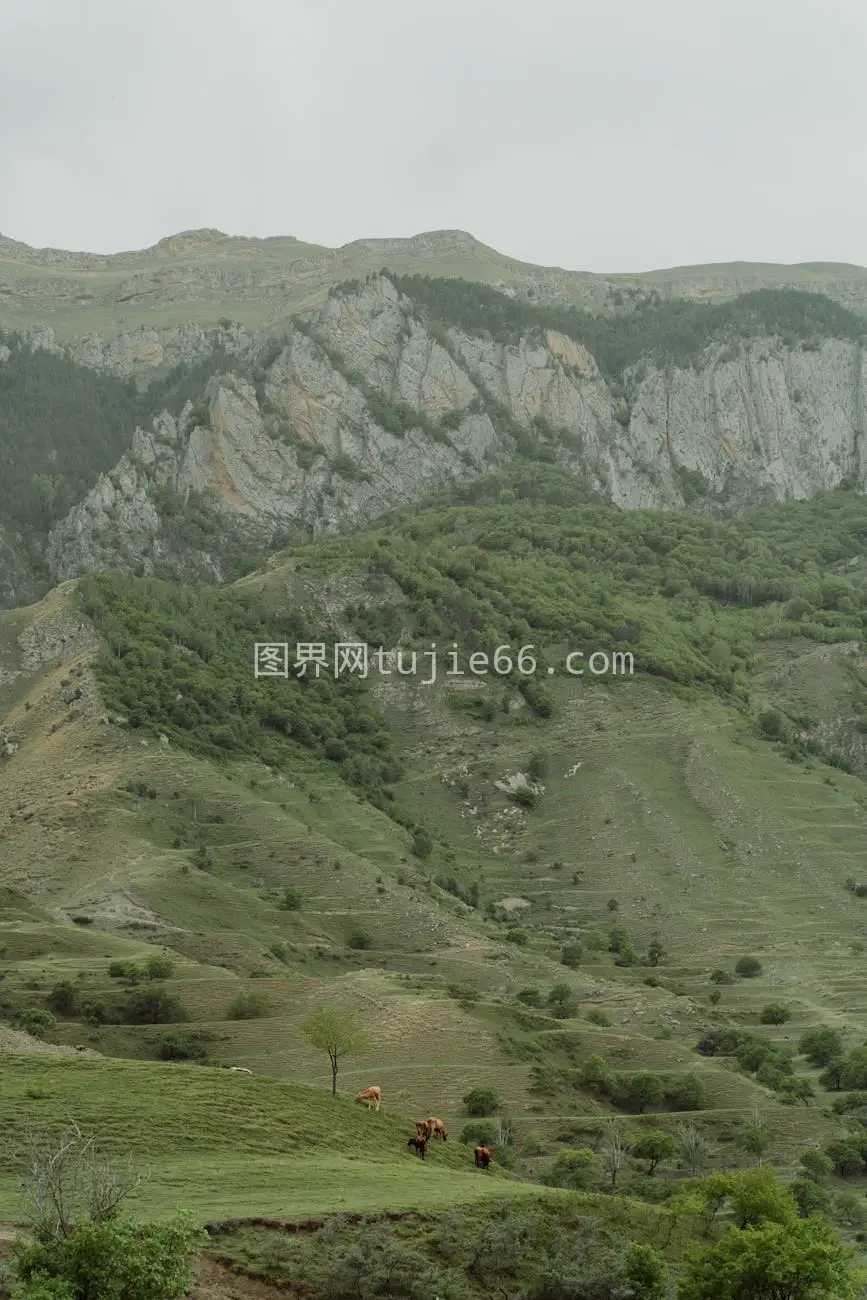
{"x":362,"y":408}
{"x":141,"y":352}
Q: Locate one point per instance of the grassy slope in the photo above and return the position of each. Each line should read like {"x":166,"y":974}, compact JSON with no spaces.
{"x":665,"y":780}
{"x":703,"y":833}
{"x":228,"y":1145}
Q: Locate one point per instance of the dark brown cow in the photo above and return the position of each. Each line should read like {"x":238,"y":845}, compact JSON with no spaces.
{"x":420,"y":1144}
{"x":482,"y":1157}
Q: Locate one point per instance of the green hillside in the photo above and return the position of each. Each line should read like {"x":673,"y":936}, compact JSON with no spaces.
{"x":538,"y":885}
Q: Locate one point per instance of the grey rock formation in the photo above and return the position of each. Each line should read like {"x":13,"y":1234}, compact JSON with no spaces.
{"x":362,"y":409}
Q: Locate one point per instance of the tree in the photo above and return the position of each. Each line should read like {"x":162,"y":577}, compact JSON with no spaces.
{"x":159,"y":967}
{"x":153,"y":1005}
{"x":482,"y":1101}
{"x":816,"y":1163}
{"x":832,"y":1075}
{"x":561,"y":1001}
{"x":654,"y":1146}
{"x":655,"y":952}
{"x":64,"y":998}
{"x":853,"y":1077}
{"x":613,"y":1152}
{"x":821,"y":1046}
{"x":596,"y":1074}
{"x":335,"y":1032}
{"x":801,"y":1260}
{"x":748,"y":967}
{"x":775,"y":1013}
{"x":757,"y":1196}
{"x":686,"y":1092}
{"x":66,"y":1179}
{"x":641,"y":1091}
{"x":693,"y":1148}
{"x":794,"y":1090}
{"x":810,"y":1198}
{"x":846,"y":1157}
{"x":755,"y":1136}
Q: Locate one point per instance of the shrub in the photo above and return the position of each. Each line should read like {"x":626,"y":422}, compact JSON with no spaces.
{"x":748,"y":967}
{"x":482,"y":1101}
{"x":771,"y":724}
{"x":721,"y":977}
{"x":152,"y":1005}
{"x":596,"y":1017}
{"x":128,"y":971}
{"x":581,"y":1170}
{"x":178,"y":1046}
{"x":34,"y":1021}
{"x":290,"y":899}
{"x":248,"y":1006}
{"x":596,"y":1075}
{"x":775,"y":1013}
{"x":821,"y":1046}
{"x":422,"y":844}
{"x":531,"y":997}
{"x":571,"y":955}
{"x":686,"y":1092}
{"x":482,"y":1133}
{"x":538,"y":766}
{"x":64,"y":998}
{"x":360,"y":939}
{"x":817,"y":1164}
{"x":810,"y":1198}
{"x":515,"y":934}
{"x":112,"y":1259}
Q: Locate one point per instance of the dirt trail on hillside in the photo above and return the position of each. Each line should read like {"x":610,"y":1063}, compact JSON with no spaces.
{"x":16,"y":1041}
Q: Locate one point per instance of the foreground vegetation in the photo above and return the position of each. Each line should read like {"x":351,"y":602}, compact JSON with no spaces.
{"x":728,"y":1236}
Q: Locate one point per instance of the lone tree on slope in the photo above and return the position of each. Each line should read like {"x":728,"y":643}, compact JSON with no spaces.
{"x":335,"y":1032}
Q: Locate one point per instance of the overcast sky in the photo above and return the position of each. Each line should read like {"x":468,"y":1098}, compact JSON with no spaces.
{"x":617,"y":135}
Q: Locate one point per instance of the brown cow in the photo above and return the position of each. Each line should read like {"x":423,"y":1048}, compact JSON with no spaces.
{"x":420,"y":1145}
{"x":482,"y":1157}
{"x":436,"y":1128}
{"x":423,"y":1129}
{"x":371,"y":1096}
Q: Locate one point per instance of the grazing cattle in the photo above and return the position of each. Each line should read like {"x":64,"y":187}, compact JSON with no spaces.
{"x":371,"y":1096}
{"x":482,"y":1157}
{"x":436,"y":1128}
{"x":240,"y":1069}
{"x":423,"y":1129}
{"x":420,"y":1145}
